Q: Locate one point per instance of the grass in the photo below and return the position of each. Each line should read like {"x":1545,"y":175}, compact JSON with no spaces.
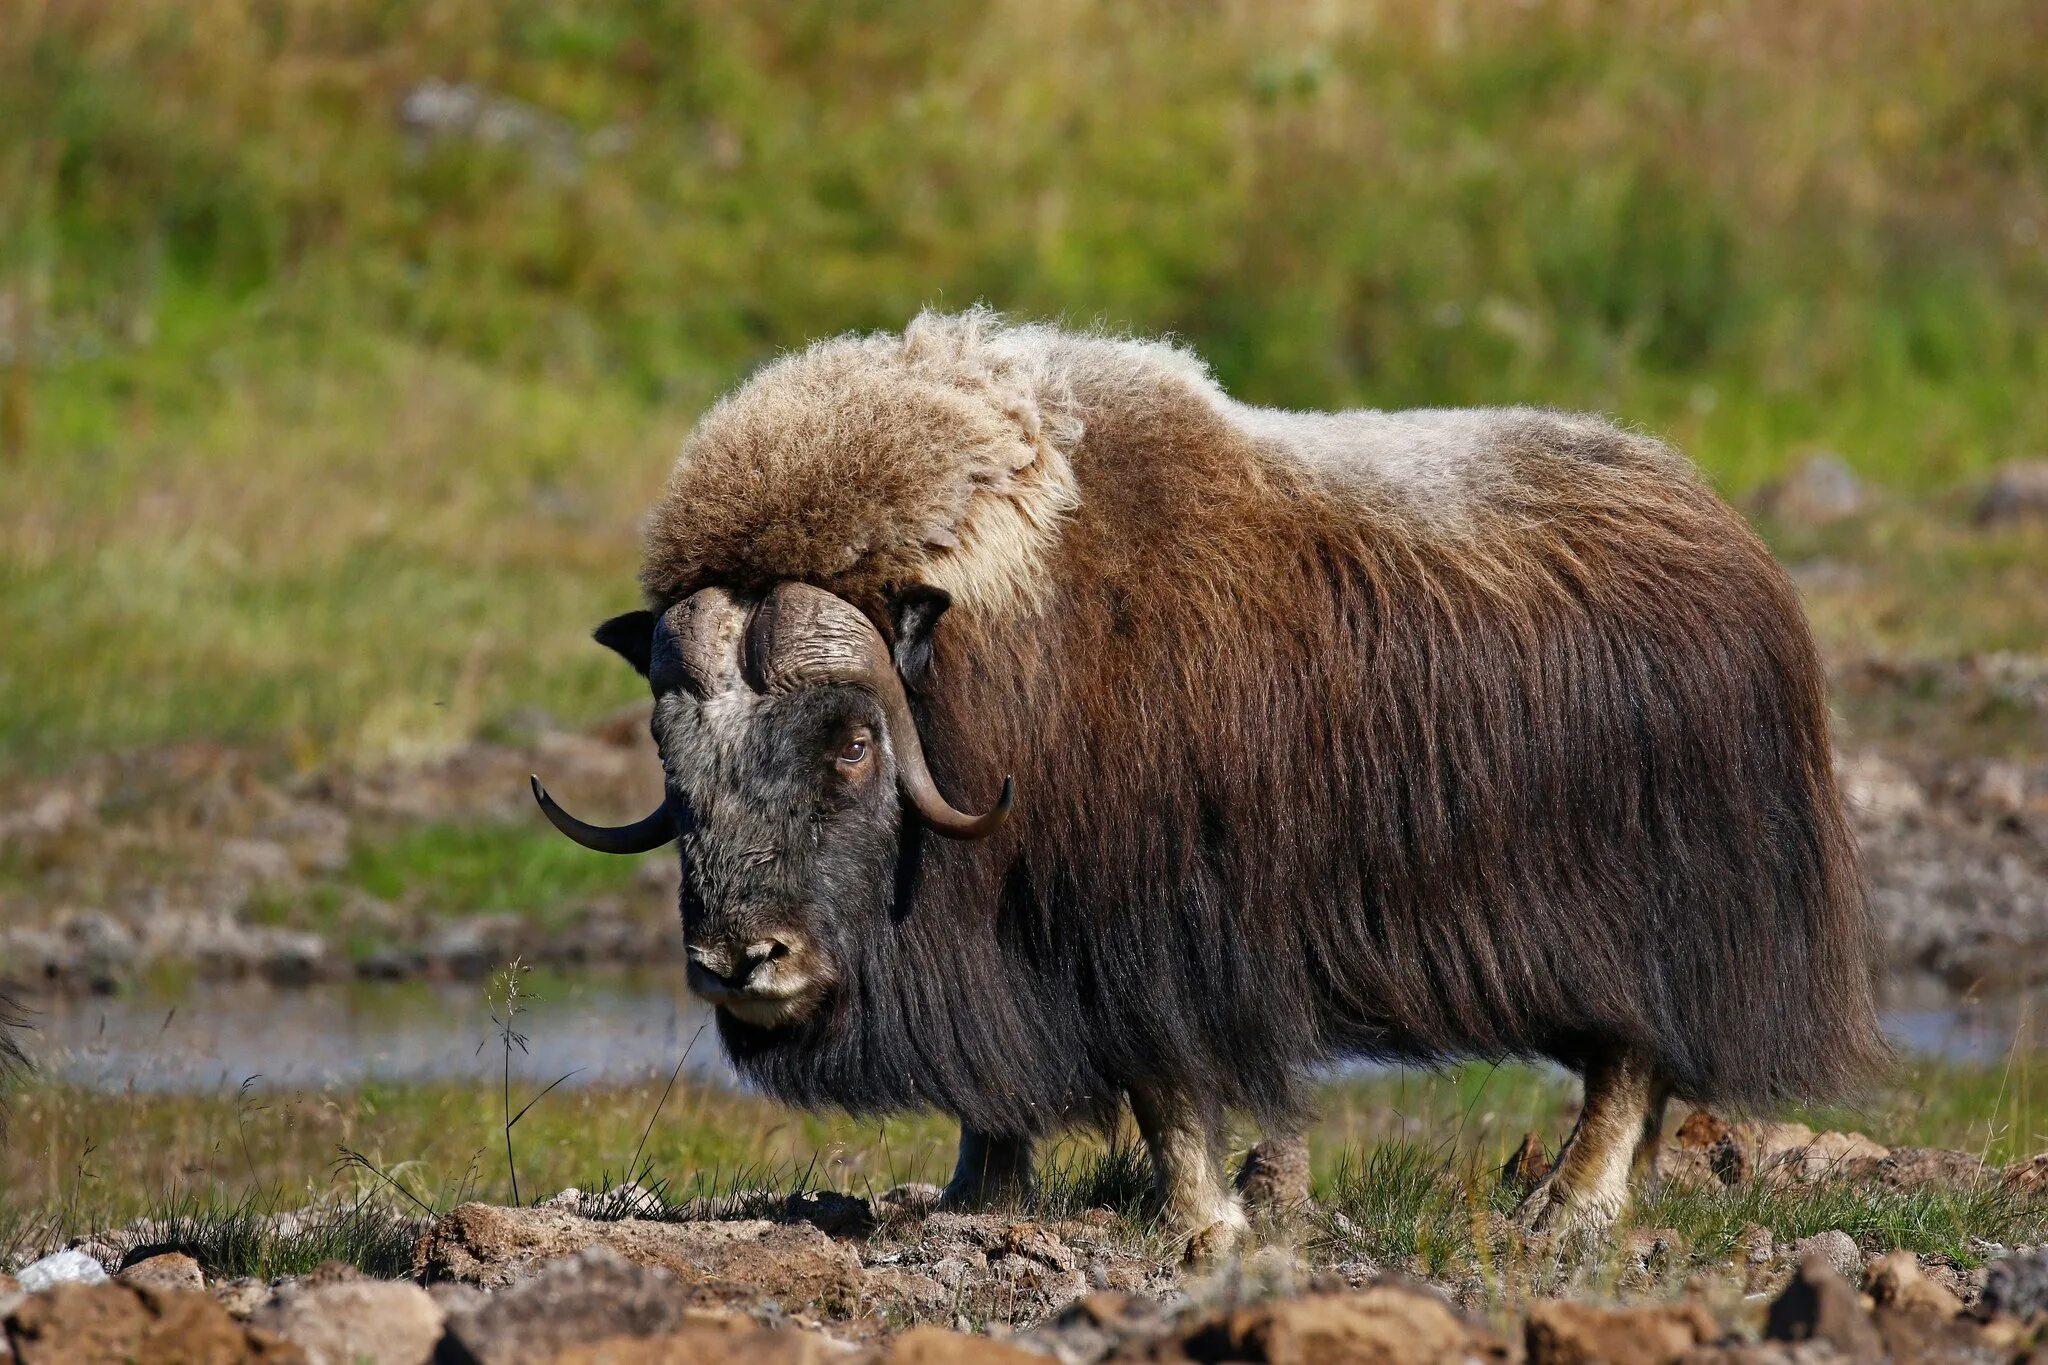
{"x":464,"y":868}
{"x":331,"y":436}
{"x":1407,"y":1159}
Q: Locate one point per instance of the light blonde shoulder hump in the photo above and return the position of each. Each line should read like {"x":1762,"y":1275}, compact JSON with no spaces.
{"x":941,"y":455}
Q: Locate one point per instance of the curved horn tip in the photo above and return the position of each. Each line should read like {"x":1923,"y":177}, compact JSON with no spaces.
{"x":957,"y":826}
{"x":642,"y":836}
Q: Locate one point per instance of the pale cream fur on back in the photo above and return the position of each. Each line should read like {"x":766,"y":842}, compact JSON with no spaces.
{"x":950,"y":454}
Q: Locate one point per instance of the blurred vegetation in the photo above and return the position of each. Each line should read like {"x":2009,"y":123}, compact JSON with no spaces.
{"x":328,"y":427}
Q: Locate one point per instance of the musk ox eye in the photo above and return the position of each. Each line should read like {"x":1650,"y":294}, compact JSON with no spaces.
{"x":854,"y":752}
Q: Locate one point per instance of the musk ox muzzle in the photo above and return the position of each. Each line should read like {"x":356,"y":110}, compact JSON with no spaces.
{"x":797,"y":636}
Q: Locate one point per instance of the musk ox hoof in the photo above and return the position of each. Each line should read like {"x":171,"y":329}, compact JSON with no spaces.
{"x":965,"y":1195}
{"x":1217,"y":1243}
{"x":1552,"y":1214}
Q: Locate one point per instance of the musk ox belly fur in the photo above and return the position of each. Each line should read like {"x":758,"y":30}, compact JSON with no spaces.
{"x":1421,"y":736}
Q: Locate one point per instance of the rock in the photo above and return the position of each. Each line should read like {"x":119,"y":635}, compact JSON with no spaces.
{"x":1909,"y":1168}
{"x":1749,"y":1147}
{"x":1686,"y":1157}
{"x":731,"y":1261}
{"x":1097,"y":1326}
{"x":2028,"y":1176}
{"x":438,"y":111}
{"x":916,"y":1200}
{"x":102,"y":1322}
{"x":70,"y":1266}
{"x":1819,"y":1305}
{"x":2018,"y":491}
{"x":841,"y":1215}
{"x":1564,"y":1332}
{"x":165,"y":1270}
{"x":1034,"y":1243}
{"x":1830,"y":1156}
{"x":1820,"y":490}
{"x":742,"y":1343}
{"x":1836,"y":1248}
{"x":358,"y":1322}
{"x":1792,"y":1153}
{"x":936,"y":1346}
{"x":241,"y":1297}
{"x":591,"y":1296}
{"x":1526,"y":1166}
{"x":1387,"y":1322}
{"x":1701,"y":1130}
{"x":1895,"y":1281}
{"x":262,"y":861}
{"x":2015,"y":1286}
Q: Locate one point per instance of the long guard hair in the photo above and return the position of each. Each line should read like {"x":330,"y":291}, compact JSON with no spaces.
{"x":1407,"y":736}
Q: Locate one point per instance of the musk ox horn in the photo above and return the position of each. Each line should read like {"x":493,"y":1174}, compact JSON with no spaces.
{"x":707,"y":626}
{"x":801,"y":635}
{"x":642,"y":836}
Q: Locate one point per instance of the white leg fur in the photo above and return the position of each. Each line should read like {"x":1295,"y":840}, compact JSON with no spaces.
{"x":1589,"y":1187}
{"x":1185,"y":1139}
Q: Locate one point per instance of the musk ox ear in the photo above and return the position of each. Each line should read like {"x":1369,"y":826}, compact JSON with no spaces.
{"x":631,"y":637}
{"x":915,"y":612}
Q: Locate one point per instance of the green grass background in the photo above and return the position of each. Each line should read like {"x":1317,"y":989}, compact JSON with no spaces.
{"x":324,"y":436}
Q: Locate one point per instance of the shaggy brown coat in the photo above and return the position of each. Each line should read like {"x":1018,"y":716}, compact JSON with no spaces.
{"x":1408,"y":736}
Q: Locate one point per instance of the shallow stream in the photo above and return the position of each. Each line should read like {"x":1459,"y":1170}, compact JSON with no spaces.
{"x":601,"y":1028}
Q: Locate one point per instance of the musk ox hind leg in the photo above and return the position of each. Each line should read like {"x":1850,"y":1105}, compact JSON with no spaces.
{"x":1185,"y":1139}
{"x":988,"y":1170}
{"x":1588,"y":1188}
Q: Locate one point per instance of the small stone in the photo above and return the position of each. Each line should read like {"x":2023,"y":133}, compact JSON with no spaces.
{"x":1032,"y":1242}
{"x":1837,"y":1249}
{"x":839,"y":1215}
{"x":1895,"y":1281}
{"x":166,"y":1270}
{"x":577,"y":1300}
{"x":1387,"y":1322}
{"x":1911,"y":1168}
{"x":1820,"y":490}
{"x":936,"y":1346}
{"x":1819,"y":1305}
{"x":2018,"y":491}
{"x":74,"y":1322}
{"x":69,"y":1266}
{"x":2015,"y":1286}
{"x":2027,"y":1176}
{"x":242,"y":1297}
{"x":358,"y":1322}
{"x":1700,"y":1131}
{"x":1563,"y":1332}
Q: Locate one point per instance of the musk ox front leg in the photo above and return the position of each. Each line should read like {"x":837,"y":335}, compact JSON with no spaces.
{"x":1185,"y":1138}
{"x":1588,"y":1188}
{"x":989,"y":1169}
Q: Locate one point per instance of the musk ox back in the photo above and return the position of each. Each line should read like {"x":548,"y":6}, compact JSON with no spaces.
{"x":1413,"y":736}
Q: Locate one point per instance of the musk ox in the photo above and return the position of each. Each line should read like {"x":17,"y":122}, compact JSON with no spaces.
{"x":1404,"y":735}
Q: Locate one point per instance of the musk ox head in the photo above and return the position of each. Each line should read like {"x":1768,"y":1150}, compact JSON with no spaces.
{"x":791,"y":756}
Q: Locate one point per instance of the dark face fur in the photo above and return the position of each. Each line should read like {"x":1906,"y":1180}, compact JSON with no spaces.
{"x":789,"y":843}
{"x":783,"y":789}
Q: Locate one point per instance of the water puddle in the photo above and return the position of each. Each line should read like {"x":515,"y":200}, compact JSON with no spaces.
{"x":603,"y":1029}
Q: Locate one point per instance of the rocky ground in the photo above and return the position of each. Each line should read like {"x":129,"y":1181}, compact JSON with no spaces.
{"x":830,"y":1277}
{"x":214,"y":862}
